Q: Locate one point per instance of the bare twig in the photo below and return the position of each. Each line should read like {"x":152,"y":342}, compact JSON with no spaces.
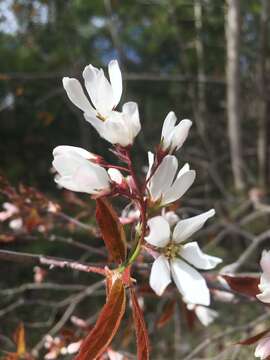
{"x":32,"y":259}
{"x":223,"y":334}
{"x":42,"y":286}
{"x":235,"y":266}
{"x":66,"y":315}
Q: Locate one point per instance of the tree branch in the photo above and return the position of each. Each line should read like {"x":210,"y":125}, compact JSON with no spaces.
{"x":33,"y":259}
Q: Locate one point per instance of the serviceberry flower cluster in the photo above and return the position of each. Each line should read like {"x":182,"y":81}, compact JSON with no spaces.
{"x":80,"y":170}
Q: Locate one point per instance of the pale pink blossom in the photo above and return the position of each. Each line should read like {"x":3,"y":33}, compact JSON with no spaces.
{"x":9,"y":210}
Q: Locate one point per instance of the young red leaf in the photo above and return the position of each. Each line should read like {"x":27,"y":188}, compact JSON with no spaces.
{"x":112,"y":230}
{"x":246,"y":285}
{"x":107,"y":324}
{"x":254,"y":338}
{"x":140,"y":327}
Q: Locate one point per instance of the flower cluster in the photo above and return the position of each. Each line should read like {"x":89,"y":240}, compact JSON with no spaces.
{"x":79,"y":170}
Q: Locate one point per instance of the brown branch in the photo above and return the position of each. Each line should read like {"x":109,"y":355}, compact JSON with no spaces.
{"x":52,"y":262}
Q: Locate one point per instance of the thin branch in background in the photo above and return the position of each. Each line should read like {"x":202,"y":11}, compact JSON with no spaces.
{"x":52,"y":262}
{"x":213,"y":339}
{"x":67,"y":314}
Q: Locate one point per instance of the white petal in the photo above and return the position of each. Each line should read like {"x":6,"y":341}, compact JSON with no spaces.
{"x":263,"y":348}
{"x":160,"y":232}
{"x":91,"y":76}
{"x":167,"y":130}
{"x":91,"y":178}
{"x":179,"y":187}
{"x":264,"y":296}
{"x":185,"y":228}
{"x":63,"y":149}
{"x":96,"y":123}
{"x":205,"y":315}
{"x":116,"y":130}
{"x":68,"y":163}
{"x":76,"y":95}
{"x":132,"y":119}
{"x":66,"y":182}
{"x":183,"y":170}
{"x":190,"y":283}
{"x":264,"y":288}
{"x":116,"y":80}
{"x":193,"y":254}
{"x":151,"y":159}
{"x":160,"y":276}
{"x":180,"y":133}
{"x":115,"y":175}
{"x":163,"y":177}
{"x":99,"y":89}
{"x":265,"y":263}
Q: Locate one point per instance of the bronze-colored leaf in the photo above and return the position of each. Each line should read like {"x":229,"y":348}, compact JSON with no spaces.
{"x":254,"y":338}
{"x":112,"y":230}
{"x":246,"y":285}
{"x":140,"y":327}
{"x":107,"y":324}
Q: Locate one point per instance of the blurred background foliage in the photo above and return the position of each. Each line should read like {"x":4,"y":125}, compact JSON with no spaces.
{"x":42,"y":41}
{"x":173,"y":56}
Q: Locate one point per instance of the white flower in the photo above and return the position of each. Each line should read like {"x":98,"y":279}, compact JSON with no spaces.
{"x":76,"y":172}
{"x":163,"y":186}
{"x":263,"y":348}
{"x":116,"y":127}
{"x":203,"y":313}
{"x":264,"y":285}
{"x":173,"y":137}
{"x":104,"y":96}
{"x":177,"y":260}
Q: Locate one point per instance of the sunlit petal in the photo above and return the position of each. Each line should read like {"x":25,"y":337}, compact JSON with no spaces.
{"x":185,"y":228}
{"x":160,"y":276}
{"x":159,"y":234}
{"x":190,"y":283}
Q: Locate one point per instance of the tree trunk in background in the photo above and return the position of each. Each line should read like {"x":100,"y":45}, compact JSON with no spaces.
{"x":233,"y":91}
{"x":263,"y":102}
{"x":201,"y":94}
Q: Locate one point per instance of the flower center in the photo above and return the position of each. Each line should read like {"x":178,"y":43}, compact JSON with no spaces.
{"x":172,"y":250}
{"x":100,"y":117}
